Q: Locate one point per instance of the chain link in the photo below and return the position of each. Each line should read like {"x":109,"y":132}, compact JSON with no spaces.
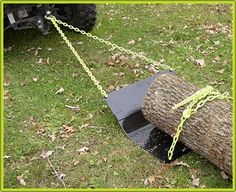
{"x":92,"y":77}
{"x":109,"y":43}
{"x":199,"y":99}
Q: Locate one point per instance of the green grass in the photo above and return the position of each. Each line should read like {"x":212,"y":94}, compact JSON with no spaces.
{"x":113,"y":160}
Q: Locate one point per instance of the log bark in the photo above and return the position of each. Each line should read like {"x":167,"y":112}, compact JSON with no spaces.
{"x":208,"y":132}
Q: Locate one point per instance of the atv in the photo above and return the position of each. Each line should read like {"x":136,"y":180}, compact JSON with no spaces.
{"x":25,"y":16}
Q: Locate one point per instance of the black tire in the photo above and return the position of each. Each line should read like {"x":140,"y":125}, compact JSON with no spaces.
{"x":82,"y":16}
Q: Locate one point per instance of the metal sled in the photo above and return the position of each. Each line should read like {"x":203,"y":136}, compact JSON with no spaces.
{"x":126,"y":106}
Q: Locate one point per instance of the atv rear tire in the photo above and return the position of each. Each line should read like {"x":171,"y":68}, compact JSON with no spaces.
{"x":82,"y":16}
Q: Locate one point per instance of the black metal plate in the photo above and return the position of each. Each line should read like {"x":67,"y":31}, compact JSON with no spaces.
{"x":125,"y":104}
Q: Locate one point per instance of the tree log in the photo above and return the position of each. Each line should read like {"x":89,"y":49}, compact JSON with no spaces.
{"x":208,"y":132}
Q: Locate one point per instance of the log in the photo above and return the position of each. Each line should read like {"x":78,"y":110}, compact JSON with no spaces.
{"x":208,"y":132}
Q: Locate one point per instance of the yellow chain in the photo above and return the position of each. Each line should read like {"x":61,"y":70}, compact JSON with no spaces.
{"x":92,"y":77}
{"x":109,"y":43}
{"x":198,"y":99}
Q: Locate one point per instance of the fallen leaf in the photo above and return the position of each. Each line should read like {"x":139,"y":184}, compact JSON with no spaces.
{"x":151,"y":179}
{"x":178,"y":163}
{"x":115,"y":173}
{"x":68,"y":129}
{"x":59,"y":91}
{"x":90,"y":116}
{"x":220,"y":71}
{"x":117,"y":58}
{"x":7,"y":49}
{"x":111,"y":87}
{"x":6,"y":157}
{"x":35,"y":79}
{"x":75,"y":162}
{"x":32,"y":120}
{"x":61,"y":147}
{"x":195,"y":181}
{"x":46,"y":154}
{"x":82,"y":178}
{"x":217,"y":59}
{"x":216,"y":42}
{"x":83,"y":150}
{"x":84,"y":125}
{"x":37,"y":51}
{"x":224,"y":175}
{"x":33,"y":158}
{"x":47,"y":61}
{"x":6,"y":83}
{"x":53,"y":137}
{"x":20,"y":178}
{"x":216,"y":83}
{"x":200,"y":62}
{"x":41,"y":131}
{"x":79,"y":42}
{"x":131,"y":42}
{"x":22,"y":83}
{"x":153,"y":70}
{"x":162,"y":60}
{"x":73,"y":108}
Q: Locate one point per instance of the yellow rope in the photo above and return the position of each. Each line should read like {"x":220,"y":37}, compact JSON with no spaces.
{"x":196,"y":101}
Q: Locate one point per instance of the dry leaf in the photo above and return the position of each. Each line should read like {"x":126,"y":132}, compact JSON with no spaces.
{"x":217,"y":59}
{"x":224,"y":175}
{"x":84,"y":125}
{"x":61,"y":147}
{"x":220,"y":71}
{"x":35,"y":79}
{"x":68,"y":129}
{"x":75,"y":162}
{"x":32,"y":120}
{"x":90,"y":116}
{"x":200,"y":62}
{"x":20,"y":178}
{"x":73,"y":108}
{"x":41,"y":131}
{"x":178,"y":163}
{"x":111,"y":87}
{"x":59,"y":91}
{"x":216,"y":42}
{"x":6,"y":156}
{"x":151,"y":179}
{"x":83,"y":150}
{"x":131,"y":42}
{"x":216,"y":83}
{"x":47,"y":61}
{"x":53,"y":137}
{"x":37,"y":51}
{"x":195,"y":181}
{"x":7,"y":49}
{"x":46,"y":154}
{"x":153,"y":70}
{"x":82,"y":178}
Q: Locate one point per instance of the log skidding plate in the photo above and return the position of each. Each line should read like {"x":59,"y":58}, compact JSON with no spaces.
{"x":125,"y":104}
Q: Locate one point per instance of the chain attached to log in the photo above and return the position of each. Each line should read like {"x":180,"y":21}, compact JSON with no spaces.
{"x":197,"y":100}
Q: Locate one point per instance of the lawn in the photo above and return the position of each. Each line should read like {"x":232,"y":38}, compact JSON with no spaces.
{"x":89,"y":148}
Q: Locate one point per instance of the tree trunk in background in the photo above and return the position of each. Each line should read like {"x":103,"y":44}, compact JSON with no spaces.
{"x":208,"y":132}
